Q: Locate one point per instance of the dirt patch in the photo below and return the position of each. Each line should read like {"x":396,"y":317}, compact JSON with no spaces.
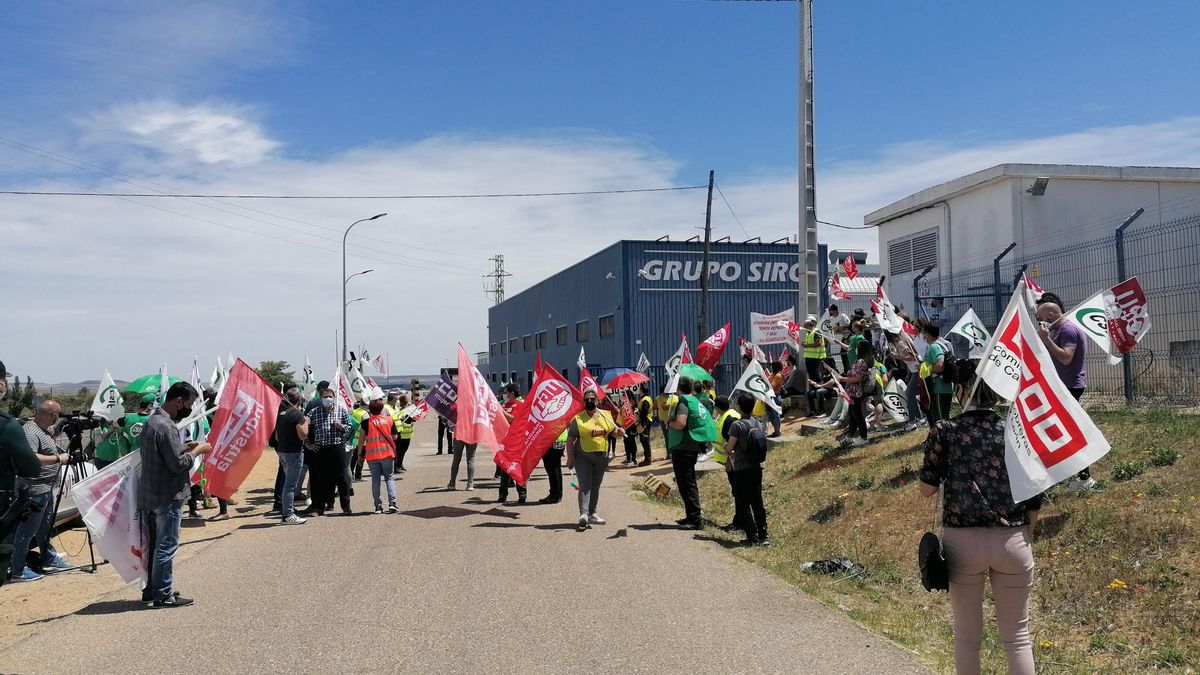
{"x":824,"y":464}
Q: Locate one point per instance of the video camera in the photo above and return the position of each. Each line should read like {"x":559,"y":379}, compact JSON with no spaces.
{"x":74,"y":426}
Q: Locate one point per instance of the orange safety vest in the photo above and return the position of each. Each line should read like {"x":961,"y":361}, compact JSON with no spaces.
{"x":380,"y":441}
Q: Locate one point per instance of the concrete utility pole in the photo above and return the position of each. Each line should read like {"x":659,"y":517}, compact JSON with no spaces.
{"x":703,"y":335}
{"x":807,"y":298}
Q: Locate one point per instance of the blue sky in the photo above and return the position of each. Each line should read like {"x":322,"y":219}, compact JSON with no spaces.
{"x":471,"y":96}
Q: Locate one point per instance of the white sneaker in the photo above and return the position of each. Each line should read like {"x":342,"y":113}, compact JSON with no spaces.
{"x":470,"y":486}
{"x":595,"y":519}
{"x":294,"y":520}
{"x":583,"y":520}
{"x":1077,"y":485}
{"x":859,"y":442}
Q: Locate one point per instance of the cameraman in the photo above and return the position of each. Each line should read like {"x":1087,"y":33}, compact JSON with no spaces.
{"x":16,"y":459}
{"x":39,"y":433}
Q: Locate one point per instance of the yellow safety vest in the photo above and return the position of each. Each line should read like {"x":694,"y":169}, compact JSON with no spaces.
{"x":594,"y":431}
{"x":645,"y":400}
{"x":719,"y":455}
{"x":813,"y":349}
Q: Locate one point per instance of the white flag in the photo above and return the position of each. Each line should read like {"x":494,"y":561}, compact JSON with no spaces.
{"x":218,"y":375}
{"x":107,"y":502}
{"x":582,"y":362}
{"x":1090,"y":316}
{"x":754,"y":382}
{"x":163,"y":385}
{"x":643,"y":364}
{"x":893,"y":401}
{"x":107,"y":403}
{"x":970,"y":327}
{"x":308,"y":381}
{"x":342,"y":392}
{"x":1048,"y":436}
{"x":1033,"y":292}
{"x":358,"y":384}
{"x":1000,"y":366}
{"x":196,"y":381}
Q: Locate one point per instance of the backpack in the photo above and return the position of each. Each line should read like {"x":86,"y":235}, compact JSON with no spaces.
{"x":756,"y":444}
{"x":949,"y":366}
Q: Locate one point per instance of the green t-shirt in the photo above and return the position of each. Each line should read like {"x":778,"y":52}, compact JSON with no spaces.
{"x":853,"y":350}
{"x":109,"y":449}
{"x":934,"y":354}
{"x":131,"y":432}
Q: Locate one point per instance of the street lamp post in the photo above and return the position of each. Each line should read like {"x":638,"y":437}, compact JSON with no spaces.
{"x":346,"y":280}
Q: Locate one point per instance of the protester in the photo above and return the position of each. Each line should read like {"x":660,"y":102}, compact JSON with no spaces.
{"x":776,"y":381}
{"x":840,"y":323}
{"x":690,"y":430}
{"x":39,"y":434}
{"x":663,"y":405}
{"x":606,"y":404}
{"x":353,"y":434}
{"x":445,"y":433}
{"x":133,"y":423}
{"x":907,"y":352}
{"x":326,"y":435}
{"x":856,"y":383}
{"x":814,"y":347}
{"x":646,"y":418}
{"x":587,"y":452}
{"x":725,"y":419}
{"x":630,"y":424}
{"x":820,"y":390}
{"x":460,"y":449}
{"x":986,"y":534}
{"x":509,"y":405}
{"x":404,"y":434}
{"x":941,"y":392}
{"x":291,"y":431}
{"x":163,"y":487}
{"x":1068,"y":347}
{"x":745,"y":474}
{"x":552,"y":463}
{"x":378,"y":446}
{"x":17,"y":460}
{"x":109,"y":448}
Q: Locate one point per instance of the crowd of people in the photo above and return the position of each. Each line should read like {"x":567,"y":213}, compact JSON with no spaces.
{"x":321,"y":443}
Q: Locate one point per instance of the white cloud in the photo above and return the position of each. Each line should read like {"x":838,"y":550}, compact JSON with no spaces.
{"x":178,"y":135}
{"x":150,"y":280}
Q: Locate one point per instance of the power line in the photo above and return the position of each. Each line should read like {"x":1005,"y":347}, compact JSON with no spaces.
{"x":848,"y":227}
{"x":735,"y":216}
{"x":491,"y":195}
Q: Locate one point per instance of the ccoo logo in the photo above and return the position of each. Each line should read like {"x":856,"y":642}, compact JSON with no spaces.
{"x":757,"y":384}
{"x":1093,"y":321}
{"x":975,"y":333}
{"x":551,"y":401}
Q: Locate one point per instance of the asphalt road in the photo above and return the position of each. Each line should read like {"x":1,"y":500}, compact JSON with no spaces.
{"x":453,"y":584}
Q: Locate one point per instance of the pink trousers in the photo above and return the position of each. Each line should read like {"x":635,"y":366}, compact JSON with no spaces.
{"x":1004,"y":554}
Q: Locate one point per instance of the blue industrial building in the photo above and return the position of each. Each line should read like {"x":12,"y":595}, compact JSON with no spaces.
{"x":638,"y":296}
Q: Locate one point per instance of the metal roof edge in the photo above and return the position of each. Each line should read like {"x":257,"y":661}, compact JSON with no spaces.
{"x":937,"y":193}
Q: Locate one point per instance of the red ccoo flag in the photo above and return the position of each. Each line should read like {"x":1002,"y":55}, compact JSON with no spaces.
{"x":835,"y":287}
{"x":708,"y":354}
{"x":242,"y":427}
{"x":480,"y":418}
{"x":537,"y":422}
{"x":851,"y":267}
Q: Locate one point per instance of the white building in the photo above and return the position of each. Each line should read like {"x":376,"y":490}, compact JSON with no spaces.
{"x":1061,"y":221}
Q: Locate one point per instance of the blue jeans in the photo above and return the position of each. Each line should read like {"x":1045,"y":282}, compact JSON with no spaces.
{"x":291,"y":462}
{"x":772,"y":416}
{"x":26,"y":530}
{"x":165,"y":544}
{"x":383,"y":469}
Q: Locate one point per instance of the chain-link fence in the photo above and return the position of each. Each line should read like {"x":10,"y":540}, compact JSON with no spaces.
{"x":1165,"y":366}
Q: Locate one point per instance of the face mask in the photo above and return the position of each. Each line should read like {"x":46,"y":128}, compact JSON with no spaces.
{"x":590,"y":404}
{"x":183,"y":413}
{"x":327,"y":403}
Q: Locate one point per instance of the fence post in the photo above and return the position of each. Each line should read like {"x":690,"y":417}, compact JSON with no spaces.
{"x":997,"y":294}
{"x":919,"y":309}
{"x":1126,"y":361}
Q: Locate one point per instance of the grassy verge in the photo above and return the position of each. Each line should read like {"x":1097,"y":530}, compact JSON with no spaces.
{"x":1118,"y":585}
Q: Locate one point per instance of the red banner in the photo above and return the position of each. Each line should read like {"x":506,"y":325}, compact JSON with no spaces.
{"x":835,"y":287}
{"x":586,"y":381}
{"x":851,"y":268}
{"x":480,"y":417}
{"x":537,"y":422}
{"x":243,"y":424}
{"x":687,"y":353}
{"x":1128,"y":319}
{"x":708,"y":354}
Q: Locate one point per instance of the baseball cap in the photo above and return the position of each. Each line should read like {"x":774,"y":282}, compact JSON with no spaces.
{"x":148,"y":398}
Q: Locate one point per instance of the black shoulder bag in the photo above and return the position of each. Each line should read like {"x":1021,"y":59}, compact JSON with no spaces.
{"x":931,"y":557}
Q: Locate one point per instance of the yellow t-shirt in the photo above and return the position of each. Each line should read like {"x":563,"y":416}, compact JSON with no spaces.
{"x":594,"y":431}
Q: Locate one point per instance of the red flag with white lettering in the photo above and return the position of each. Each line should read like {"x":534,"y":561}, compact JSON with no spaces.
{"x":586,"y":381}
{"x":240,"y":431}
{"x":835,"y":287}
{"x":480,"y":418}
{"x":708,"y":354}
{"x":537,"y":422}
{"x":687,"y":354}
{"x":851,"y":268}
{"x":1128,"y":316}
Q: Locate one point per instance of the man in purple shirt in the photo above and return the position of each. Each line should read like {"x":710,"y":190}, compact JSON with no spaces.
{"x":1067,"y":346}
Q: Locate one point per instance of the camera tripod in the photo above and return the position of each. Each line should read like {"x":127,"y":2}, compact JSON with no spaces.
{"x":75,"y":468}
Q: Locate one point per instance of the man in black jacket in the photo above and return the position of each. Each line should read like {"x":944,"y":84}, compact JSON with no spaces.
{"x":16,"y":459}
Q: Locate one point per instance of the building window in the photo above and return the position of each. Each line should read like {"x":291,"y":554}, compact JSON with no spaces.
{"x":608,"y":326}
{"x":528,"y":343}
{"x":495,"y":349}
{"x":512,"y":346}
{"x":913,"y":253}
{"x":560,"y":336}
{"x":581,"y":331}
{"x":503,"y":348}
{"x":540,"y":340}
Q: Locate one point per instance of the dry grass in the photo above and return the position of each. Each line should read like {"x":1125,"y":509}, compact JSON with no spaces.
{"x":1118,"y":586}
